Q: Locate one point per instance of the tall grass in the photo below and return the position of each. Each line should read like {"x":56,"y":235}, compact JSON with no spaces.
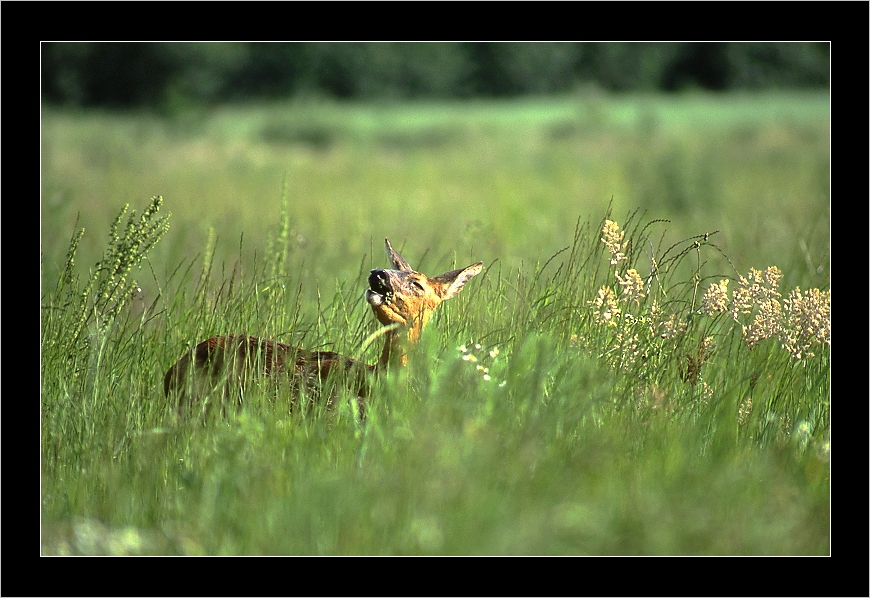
{"x":588,"y":403}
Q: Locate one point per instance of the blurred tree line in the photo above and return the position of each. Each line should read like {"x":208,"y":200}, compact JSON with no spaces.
{"x":160,"y":74}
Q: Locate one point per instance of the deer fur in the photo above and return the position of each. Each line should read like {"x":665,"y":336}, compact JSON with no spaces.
{"x":402,"y":300}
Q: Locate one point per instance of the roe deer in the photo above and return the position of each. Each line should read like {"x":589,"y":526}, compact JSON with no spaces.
{"x":402,"y":300}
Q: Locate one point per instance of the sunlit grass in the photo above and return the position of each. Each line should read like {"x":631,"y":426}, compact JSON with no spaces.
{"x":526,"y":423}
{"x":548,"y":430}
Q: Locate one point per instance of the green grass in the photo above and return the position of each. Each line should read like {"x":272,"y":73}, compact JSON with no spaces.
{"x":579,"y":437}
{"x":506,"y":180}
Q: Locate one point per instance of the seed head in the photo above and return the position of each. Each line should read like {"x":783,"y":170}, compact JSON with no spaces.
{"x":716,"y":298}
{"x":612,"y":237}
{"x":632,"y":286}
{"x":606,"y":307}
{"x":807,"y":321}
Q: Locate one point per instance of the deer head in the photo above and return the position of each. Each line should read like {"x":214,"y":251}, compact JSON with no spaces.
{"x":407,"y":298}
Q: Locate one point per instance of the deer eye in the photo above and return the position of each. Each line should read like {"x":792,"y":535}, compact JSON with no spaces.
{"x":417,"y":286}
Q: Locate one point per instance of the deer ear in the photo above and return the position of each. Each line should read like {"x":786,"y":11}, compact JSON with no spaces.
{"x":453,"y":281}
{"x":397,"y":260}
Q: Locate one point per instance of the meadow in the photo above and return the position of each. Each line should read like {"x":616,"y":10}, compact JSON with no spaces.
{"x":597,"y":390}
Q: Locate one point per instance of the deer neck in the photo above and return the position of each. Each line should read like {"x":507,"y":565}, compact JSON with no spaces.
{"x":396,"y":344}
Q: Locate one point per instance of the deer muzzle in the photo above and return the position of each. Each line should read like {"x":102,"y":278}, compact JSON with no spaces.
{"x":380,"y":290}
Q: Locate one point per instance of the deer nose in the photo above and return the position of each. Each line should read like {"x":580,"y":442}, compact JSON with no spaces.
{"x":379,"y":281}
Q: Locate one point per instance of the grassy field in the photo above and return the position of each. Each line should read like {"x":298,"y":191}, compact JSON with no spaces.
{"x":589,"y":393}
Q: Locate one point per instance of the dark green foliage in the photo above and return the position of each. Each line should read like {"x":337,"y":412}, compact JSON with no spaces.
{"x":176,"y":76}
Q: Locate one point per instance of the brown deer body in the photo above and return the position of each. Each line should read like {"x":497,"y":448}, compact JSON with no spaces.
{"x":401,"y":299}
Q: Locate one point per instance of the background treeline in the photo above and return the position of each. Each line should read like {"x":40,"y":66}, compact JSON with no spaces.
{"x":161,"y":75}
